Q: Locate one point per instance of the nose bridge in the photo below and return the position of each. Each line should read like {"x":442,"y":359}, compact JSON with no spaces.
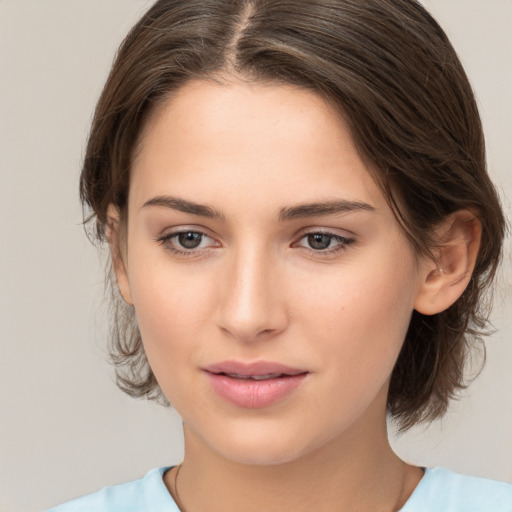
{"x":251,"y":302}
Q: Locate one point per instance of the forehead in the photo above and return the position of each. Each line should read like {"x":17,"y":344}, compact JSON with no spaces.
{"x":248,"y":140}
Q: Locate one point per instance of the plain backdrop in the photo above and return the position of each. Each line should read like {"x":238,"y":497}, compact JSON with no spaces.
{"x":65,"y":429}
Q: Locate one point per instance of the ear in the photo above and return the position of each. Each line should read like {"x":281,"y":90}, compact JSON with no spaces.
{"x":117,"y":243}
{"x":445,"y":279}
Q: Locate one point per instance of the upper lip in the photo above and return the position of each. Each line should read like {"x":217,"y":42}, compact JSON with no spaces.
{"x":254,"y":368}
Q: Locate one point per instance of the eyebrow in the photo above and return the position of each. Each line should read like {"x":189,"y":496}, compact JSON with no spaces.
{"x":322,"y":208}
{"x":285,"y":214}
{"x":182,"y":205}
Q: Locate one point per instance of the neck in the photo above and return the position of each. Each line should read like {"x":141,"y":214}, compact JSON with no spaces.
{"x":357,"y":472}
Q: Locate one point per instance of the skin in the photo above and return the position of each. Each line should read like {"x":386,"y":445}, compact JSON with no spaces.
{"x":255,"y":289}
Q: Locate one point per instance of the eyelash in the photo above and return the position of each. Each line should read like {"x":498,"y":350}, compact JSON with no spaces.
{"x":343,"y":243}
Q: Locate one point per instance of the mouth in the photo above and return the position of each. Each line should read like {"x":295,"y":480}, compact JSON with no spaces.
{"x":259,"y":370}
{"x":254,"y":385}
{"x":268,"y":376}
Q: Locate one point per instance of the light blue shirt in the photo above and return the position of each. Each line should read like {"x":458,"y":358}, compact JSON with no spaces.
{"x":440,"y":490}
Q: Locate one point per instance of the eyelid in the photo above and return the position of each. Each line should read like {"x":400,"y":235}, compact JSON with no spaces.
{"x":170,"y":234}
{"x":345,"y":233}
{"x":171,"y":231}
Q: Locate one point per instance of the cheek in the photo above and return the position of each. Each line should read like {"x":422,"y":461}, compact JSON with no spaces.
{"x":359,"y":317}
{"x":168,"y":301}
{"x":173,"y":307}
{"x":172,"y":318}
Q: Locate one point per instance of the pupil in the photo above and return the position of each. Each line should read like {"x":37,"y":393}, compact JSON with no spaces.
{"x":319,"y":241}
{"x":190,"y":240}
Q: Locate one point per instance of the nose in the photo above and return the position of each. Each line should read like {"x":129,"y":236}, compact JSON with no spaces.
{"x":251,"y":300}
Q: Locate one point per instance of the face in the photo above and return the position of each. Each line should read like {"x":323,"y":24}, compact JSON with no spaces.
{"x":272,"y":284}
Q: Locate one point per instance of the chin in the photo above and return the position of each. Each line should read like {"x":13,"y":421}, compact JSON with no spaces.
{"x":266,"y":448}
{"x":256,"y":456}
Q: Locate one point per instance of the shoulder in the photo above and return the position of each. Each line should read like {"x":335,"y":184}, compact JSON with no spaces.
{"x":148,"y":493}
{"x":443,"y":490}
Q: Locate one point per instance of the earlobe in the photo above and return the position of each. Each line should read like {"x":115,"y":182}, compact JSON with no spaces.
{"x":445,"y":279}
{"x":117,"y":245}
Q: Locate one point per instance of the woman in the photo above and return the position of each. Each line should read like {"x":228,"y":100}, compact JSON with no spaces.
{"x":302,"y":229}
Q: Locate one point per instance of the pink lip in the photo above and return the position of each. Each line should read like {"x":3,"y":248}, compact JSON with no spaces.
{"x":249,"y":393}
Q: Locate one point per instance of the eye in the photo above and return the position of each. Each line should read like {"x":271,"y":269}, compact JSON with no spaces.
{"x":186,"y":243}
{"x":189,"y":240}
{"x":325,"y":242}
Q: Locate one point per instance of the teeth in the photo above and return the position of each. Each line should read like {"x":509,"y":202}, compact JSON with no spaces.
{"x":265,"y":377}
{"x":254,"y":377}
{"x":237,"y":376}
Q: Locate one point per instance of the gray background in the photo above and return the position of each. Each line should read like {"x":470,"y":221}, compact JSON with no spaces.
{"x":64,"y":428}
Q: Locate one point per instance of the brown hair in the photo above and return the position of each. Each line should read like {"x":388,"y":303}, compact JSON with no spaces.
{"x":390,"y":69}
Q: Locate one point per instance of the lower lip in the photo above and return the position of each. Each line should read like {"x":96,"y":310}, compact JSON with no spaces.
{"x":254,"y":394}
